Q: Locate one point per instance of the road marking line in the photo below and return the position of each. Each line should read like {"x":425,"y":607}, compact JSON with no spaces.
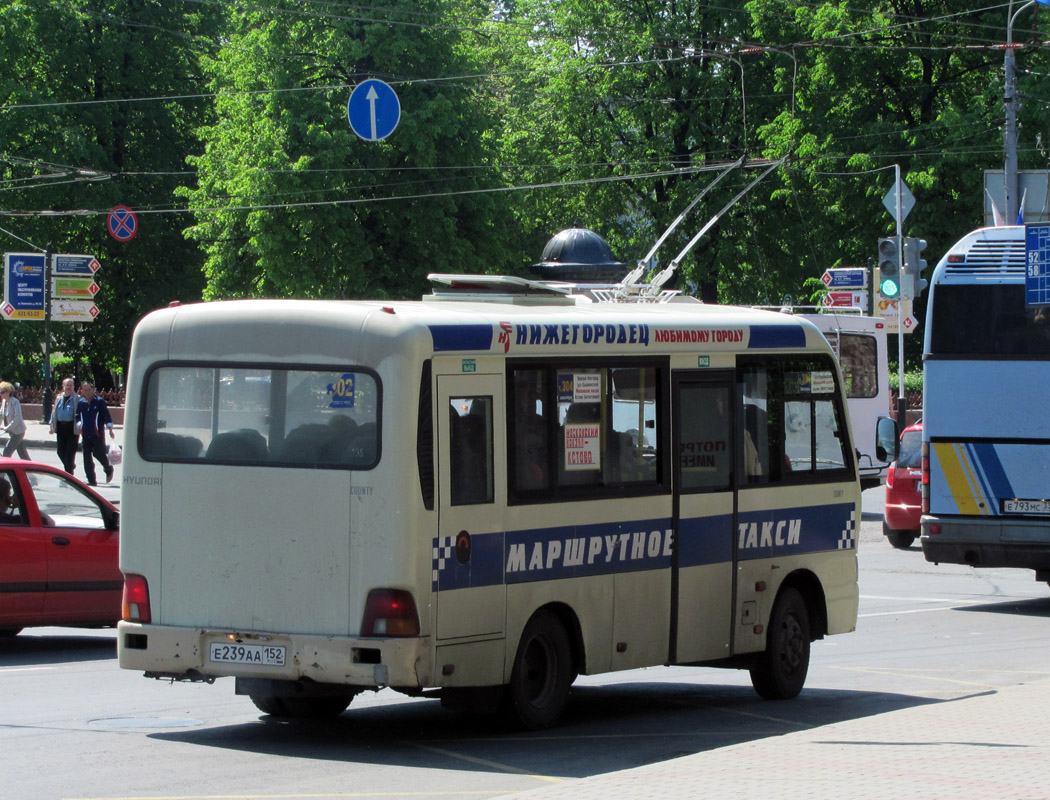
{"x":922,"y":599}
{"x":9,"y":670}
{"x":485,"y":762}
{"x":907,"y":611}
{"x":939,"y":678}
{"x":312,"y":796}
{"x":789,"y":722}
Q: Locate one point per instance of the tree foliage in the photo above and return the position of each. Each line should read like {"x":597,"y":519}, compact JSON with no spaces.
{"x":82,"y":131}
{"x":520,"y":118}
{"x":301,"y":205}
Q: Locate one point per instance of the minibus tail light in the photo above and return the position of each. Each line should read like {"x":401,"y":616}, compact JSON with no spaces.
{"x":925,"y":477}
{"x":135,"y":602}
{"x":390,"y":612}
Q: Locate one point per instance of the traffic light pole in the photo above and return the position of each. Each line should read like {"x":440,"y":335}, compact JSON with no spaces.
{"x":902,"y":403}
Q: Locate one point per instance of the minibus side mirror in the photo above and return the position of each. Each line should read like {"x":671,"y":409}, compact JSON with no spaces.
{"x":887,"y":439}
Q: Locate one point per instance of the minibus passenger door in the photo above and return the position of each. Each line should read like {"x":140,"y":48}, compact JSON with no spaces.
{"x":472,"y":488}
{"x":704,"y":487}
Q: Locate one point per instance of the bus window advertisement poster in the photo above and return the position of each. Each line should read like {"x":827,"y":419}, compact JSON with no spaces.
{"x":582,"y":446}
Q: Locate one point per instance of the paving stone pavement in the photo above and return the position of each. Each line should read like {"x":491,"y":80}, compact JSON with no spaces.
{"x":990,"y":746}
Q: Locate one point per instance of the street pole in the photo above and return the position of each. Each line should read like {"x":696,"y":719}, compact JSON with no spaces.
{"x":1011,"y":104}
{"x":902,"y":403}
{"x":48,"y":399}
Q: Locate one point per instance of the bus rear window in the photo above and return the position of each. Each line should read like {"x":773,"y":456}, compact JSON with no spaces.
{"x":261,"y":416}
{"x":988,"y":320}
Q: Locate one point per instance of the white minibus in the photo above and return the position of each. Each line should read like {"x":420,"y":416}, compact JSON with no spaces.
{"x":482,"y":495}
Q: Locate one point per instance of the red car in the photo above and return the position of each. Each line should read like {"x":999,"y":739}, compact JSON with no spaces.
{"x":900,"y":523}
{"x":58,"y":550}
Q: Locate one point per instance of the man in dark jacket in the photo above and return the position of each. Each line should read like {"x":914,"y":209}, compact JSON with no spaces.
{"x":92,"y":418}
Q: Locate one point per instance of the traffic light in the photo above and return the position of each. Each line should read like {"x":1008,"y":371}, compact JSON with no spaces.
{"x":912,"y":282}
{"x":889,"y":268}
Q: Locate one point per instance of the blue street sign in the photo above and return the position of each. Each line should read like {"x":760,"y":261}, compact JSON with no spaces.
{"x":845,"y":278}
{"x":373,"y":110}
{"x":1037,"y":264}
{"x":74,"y":265}
{"x":122,"y":223}
{"x":23,"y":285}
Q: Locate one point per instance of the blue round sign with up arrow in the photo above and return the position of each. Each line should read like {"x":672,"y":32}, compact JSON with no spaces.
{"x":373,"y":110}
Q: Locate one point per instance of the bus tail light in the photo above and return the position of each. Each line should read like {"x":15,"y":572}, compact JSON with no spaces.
{"x":134,"y":604}
{"x":925,"y":477}
{"x":390,"y":612}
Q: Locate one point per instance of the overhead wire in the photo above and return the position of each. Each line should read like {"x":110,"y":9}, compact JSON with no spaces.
{"x":330,"y":88}
{"x":360,"y":201}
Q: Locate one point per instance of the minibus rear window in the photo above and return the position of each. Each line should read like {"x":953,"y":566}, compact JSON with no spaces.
{"x":270,"y":416}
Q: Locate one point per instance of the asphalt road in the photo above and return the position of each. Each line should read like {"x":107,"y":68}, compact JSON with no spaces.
{"x":73,"y":725}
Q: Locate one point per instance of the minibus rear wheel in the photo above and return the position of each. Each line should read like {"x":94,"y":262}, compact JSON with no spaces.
{"x":302,"y":707}
{"x":542,"y":674}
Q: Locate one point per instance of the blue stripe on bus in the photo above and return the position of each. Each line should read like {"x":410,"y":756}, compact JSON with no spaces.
{"x":776,"y":336}
{"x":794,"y":531}
{"x":574,"y":551}
{"x":705,"y":540}
{"x":997,"y":483}
{"x":461,"y":337}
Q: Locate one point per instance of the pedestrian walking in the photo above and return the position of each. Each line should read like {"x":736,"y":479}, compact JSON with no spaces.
{"x":63,"y":418}
{"x":91,"y":421}
{"x":11,"y":421}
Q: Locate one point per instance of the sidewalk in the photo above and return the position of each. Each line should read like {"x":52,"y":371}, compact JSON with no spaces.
{"x":38,"y":434}
{"x":991,"y":745}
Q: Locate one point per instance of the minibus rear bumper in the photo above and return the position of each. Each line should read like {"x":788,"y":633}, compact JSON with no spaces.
{"x":187,"y":654}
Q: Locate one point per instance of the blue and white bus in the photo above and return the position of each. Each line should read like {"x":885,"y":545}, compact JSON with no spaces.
{"x":481,"y":495}
{"x":986,"y":434}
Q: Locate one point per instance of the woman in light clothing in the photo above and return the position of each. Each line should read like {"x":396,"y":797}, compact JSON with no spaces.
{"x":12,"y":423}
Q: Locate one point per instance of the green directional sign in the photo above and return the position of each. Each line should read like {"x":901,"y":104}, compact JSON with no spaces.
{"x":79,"y":288}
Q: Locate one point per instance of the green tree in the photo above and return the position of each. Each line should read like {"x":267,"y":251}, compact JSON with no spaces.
{"x":82,"y":130}
{"x":294,"y":204}
{"x":606,"y":93}
{"x":606,"y":89}
{"x":915,"y":83}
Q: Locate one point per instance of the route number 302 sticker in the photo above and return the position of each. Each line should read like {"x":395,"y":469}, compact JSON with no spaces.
{"x":341,"y":392}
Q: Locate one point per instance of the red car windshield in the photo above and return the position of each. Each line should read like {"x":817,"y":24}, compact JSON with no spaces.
{"x":911,"y":450}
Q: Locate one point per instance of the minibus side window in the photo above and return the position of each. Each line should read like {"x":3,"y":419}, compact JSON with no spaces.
{"x":470,"y":450}
{"x":761,"y":437}
{"x":791,"y":410}
{"x":704,"y":457}
{"x":578,"y":430}
{"x":530,"y":430}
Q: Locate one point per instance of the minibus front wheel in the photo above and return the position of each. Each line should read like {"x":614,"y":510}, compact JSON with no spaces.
{"x":780,"y":671}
